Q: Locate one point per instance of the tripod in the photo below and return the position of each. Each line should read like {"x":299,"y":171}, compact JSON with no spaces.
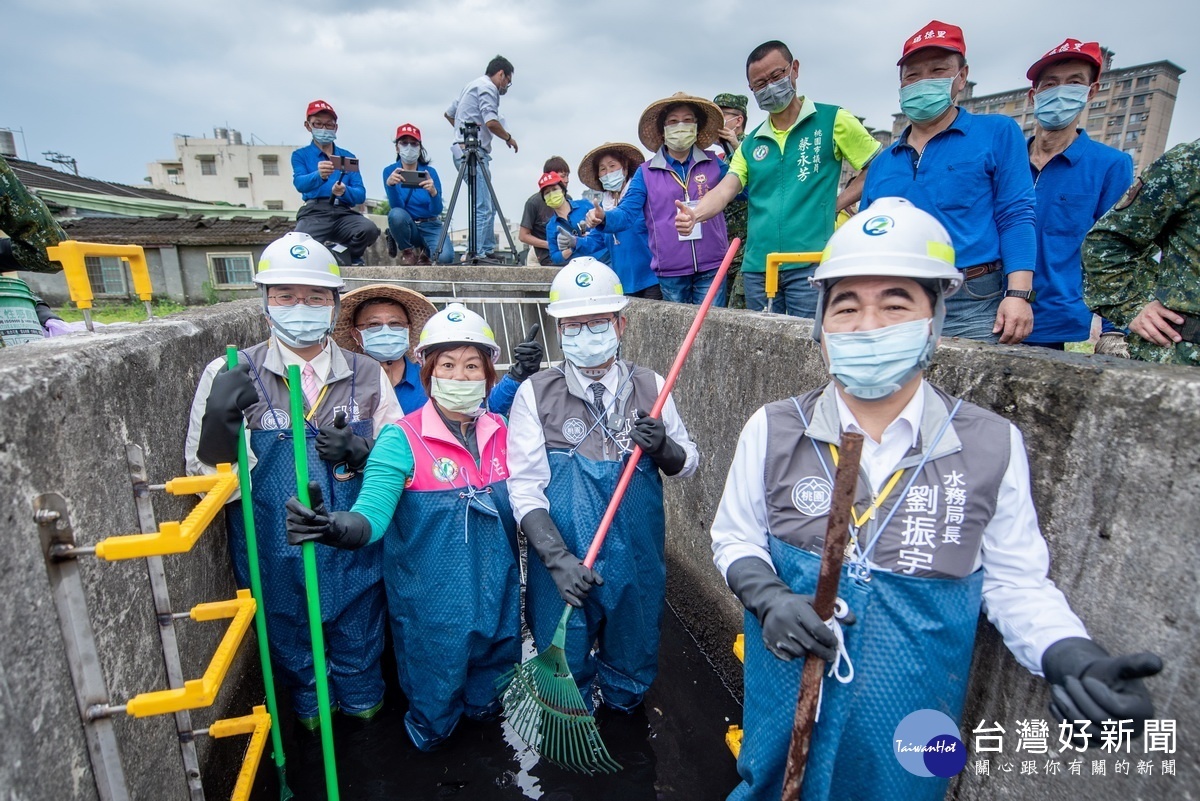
{"x":470,"y":169}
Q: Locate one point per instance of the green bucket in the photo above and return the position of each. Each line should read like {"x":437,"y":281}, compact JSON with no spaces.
{"x":18,"y":317}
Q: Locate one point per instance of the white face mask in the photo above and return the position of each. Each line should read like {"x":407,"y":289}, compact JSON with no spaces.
{"x":586,"y":349}
{"x":300,"y":325}
{"x":612,"y":181}
{"x":463,"y":397}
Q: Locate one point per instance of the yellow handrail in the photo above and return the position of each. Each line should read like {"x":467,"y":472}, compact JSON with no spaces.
{"x":176,"y":537}
{"x":256,"y":724}
{"x":201,"y":692}
{"x":776,"y":259}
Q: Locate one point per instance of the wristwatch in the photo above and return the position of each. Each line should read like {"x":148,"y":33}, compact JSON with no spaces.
{"x":1023,"y":294}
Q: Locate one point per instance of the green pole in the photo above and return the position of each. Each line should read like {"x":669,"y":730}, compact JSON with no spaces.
{"x":300,"y":446}
{"x":260,"y":613}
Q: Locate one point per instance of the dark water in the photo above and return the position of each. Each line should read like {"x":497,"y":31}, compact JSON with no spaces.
{"x":673,"y":748}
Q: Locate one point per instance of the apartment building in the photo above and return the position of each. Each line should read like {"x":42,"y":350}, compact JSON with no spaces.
{"x":224,"y":169}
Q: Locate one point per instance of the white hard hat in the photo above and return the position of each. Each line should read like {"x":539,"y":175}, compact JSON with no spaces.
{"x":297,"y":258}
{"x":457,"y":324}
{"x":891,"y":238}
{"x":584,"y":286}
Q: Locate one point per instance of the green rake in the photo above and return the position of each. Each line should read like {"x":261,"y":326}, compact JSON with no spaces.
{"x":542,"y":701}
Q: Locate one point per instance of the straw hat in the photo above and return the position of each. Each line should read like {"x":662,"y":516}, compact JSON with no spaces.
{"x":589,"y":170}
{"x":418,"y":308}
{"x":651,"y":133}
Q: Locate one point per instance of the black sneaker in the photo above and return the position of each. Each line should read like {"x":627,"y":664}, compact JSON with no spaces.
{"x":391,"y":244}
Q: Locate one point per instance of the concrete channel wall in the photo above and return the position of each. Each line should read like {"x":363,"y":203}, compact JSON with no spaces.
{"x":1115,"y":457}
{"x":1114,"y":446}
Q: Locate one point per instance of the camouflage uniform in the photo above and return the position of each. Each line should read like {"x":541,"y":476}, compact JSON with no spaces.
{"x":28,"y":222}
{"x":1161,"y":211}
{"x":735,"y":214}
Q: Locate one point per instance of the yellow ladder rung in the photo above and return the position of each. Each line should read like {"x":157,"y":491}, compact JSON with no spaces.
{"x":176,"y":537}
{"x":733,"y":739}
{"x":739,"y":647}
{"x":256,"y":724}
{"x":203,"y":691}
{"x":774,"y":260}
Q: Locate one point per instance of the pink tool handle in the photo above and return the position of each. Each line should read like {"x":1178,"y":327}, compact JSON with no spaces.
{"x":668,"y":385}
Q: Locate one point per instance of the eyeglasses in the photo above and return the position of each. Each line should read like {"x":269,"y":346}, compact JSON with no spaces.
{"x":325,"y":126}
{"x":375,"y":328}
{"x":772,"y":78}
{"x":286,"y":299}
{"x":595,"y":326}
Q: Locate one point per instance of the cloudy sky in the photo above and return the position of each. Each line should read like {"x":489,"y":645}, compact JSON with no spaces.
{"x":110,"y":82}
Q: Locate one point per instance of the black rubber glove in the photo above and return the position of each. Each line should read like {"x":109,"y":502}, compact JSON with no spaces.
{"x":651,"y":434}
{"x":527,"y":357}
{"x":346,"y":530}
{"x":1086,"y":683}
{"x":44,"y":312}
{"x":340,"y":444}
{"x":232,"y":393}
{"x":791,"y":628}
{"x":570,"y":576}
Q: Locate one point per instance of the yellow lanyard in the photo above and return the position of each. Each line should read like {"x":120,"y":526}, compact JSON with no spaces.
{"x":887,"y":490}
{"x":321,"y":396}
{"x":683,"y":183}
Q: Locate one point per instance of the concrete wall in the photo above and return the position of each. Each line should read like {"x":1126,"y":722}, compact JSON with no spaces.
{"x":69,"y":406}
{"x":1114,"y":455}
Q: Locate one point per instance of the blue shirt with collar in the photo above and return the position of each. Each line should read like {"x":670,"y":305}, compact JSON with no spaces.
{"x":633,"y":202}
{"x":416,"y":201}
{"x":974,"y":178}
{"x":308,"y":181}
{"x":411,"y":395}
{"x":1074,"y":189}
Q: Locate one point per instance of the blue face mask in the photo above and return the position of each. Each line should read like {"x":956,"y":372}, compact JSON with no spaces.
{"x":300,"y":325}
{"x":612,"y":181}
{"x":926,"y":100}
{"x":323,"y":137}
{"x":872,"y":365}
{"x":586,"y":349}
{"x":1057,"y":107}
{"x":387,"y":344}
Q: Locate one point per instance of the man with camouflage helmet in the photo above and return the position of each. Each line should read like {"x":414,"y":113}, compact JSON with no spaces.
{"x":1159,"y":301}
{"x":730,"y":137}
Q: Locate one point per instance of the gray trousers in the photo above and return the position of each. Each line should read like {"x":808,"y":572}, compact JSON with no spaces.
{"x":325,"y":222}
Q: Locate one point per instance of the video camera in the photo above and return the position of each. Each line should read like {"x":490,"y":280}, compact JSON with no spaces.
{"x":470,"y":133}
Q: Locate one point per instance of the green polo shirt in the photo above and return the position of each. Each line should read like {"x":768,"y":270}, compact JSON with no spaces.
{"x":791,"y":179}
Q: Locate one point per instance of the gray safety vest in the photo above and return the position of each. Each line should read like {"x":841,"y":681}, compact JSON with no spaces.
{"x":353,"y":390}
{"x":938,"y":528}
{"x":569,"y":422}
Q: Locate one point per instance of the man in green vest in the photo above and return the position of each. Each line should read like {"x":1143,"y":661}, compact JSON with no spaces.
{"x":790,"y":166}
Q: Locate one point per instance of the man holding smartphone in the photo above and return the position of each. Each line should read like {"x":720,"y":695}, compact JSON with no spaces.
{"x":328,"y":179}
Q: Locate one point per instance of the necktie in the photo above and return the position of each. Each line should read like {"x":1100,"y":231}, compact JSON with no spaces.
{"x":598,"y":393}
{"x":308,"y":383}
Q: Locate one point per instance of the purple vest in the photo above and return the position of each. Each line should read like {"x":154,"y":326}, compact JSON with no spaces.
{"x":669,"y":256}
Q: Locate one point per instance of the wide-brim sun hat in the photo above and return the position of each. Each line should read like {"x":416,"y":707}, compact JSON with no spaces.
{"x":650,"y":132}
{"x":416,"y":306}
{"x":589,"y":168}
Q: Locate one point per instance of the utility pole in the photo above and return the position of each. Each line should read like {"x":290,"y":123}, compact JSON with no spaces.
{"x":55,"y":157}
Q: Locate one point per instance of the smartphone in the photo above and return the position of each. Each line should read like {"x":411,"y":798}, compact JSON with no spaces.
{"x":413,"y":178}
{"x":344,"y":163}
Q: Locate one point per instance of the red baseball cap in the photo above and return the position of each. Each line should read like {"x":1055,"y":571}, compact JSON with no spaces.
{"x":317,"y":106}
{"x":1071,"y":49}
{"x":935,"y":34}
{"x":408,"y":129}
{"x":549,"y":179}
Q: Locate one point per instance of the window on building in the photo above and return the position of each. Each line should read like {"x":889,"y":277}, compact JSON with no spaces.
{"x":172,"y":176}
{"x":208,"y":165}
{"x":1131,"y":136}
{"x":1123,"y":85}
{"x":106,"y":275}
{"x":229,"y":270}
{"x":274,"y":205}
{"x":1095,"y":124}
{"x":1099,"y":104}
{"x":270,"y":165}
{"x":1105,"y":85}
{"x":1144,"y":81}
{"x":1113,"y":138}
{"x":1115,"y":121}
{"x":1132,"y":152}
{"x":1140,"y":100}
{"x":1121,"y":102}
{"x":243,"y":183}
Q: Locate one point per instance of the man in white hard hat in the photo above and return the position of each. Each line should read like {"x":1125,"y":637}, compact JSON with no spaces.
{"x":943,"y":527}
{"x":571,"y":431}
{"x":348,"y":400}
